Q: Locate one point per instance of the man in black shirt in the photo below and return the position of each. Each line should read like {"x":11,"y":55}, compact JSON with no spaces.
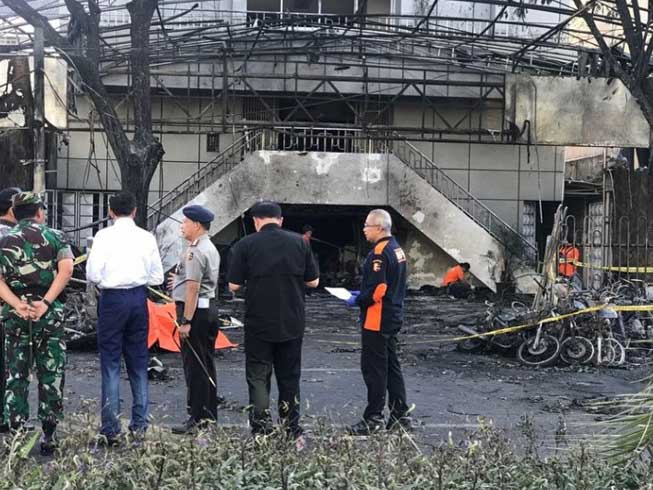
{"x":276,"y":265}
{"x":381,"y":301}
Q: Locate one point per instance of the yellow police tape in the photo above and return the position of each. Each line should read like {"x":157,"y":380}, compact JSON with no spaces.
{"x":637,"y":270}
{"x":552,"y":319}
{"x":501,"y":331}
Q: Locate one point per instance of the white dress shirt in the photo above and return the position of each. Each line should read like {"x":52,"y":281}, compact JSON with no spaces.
{"x":124,"y":256}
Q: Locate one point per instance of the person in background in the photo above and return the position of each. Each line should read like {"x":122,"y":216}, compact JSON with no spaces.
{"x":457,"y":281}
{"x":568,"y":258}
{"x":307,"y":233}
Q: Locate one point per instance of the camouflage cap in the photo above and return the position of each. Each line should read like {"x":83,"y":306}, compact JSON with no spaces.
{"x":25,"y":198}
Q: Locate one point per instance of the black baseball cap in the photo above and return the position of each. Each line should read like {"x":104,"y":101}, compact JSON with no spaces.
{"x":266,"y":209}
{"x":6,"y":196}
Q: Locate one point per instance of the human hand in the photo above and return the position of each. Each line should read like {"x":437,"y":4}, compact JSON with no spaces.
{"x":171,"y":281}
{"x":39,"y":308}
{"x":184,"y":331}
{"x":352,"y":299}
{"x":23,"y":310}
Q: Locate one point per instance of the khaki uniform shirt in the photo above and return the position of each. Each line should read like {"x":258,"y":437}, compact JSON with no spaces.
{"x":199,"y":262}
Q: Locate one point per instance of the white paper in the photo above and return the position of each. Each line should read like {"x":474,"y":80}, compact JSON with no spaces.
{"x":340,"y":293}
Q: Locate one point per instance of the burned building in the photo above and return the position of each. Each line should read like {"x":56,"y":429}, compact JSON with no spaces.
{"x":331,"y":108}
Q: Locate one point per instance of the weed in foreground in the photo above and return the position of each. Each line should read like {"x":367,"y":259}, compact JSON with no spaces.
{"x":227,"y":459}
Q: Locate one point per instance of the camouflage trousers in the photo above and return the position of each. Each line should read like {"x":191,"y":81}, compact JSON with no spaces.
{"x":46,"y":354}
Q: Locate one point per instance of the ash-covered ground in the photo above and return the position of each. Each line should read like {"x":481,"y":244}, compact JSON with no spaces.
{"x":451,"y":390}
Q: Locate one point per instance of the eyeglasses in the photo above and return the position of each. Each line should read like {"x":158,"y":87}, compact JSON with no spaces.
{"x":368,"y":225}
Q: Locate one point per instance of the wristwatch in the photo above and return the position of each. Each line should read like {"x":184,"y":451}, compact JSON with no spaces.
{"x":186,"y":321}
{"x":47,"y":303}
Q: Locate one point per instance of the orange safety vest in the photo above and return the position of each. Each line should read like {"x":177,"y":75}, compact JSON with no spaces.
{"x":568,"y":255}
{"x":454,"y":274}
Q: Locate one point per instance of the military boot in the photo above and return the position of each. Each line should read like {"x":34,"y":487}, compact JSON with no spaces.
{"x":49,"y":441}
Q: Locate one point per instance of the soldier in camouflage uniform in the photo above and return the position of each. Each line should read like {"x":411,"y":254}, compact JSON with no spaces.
{"x":36,"y":263}
{"x":7,"y":222}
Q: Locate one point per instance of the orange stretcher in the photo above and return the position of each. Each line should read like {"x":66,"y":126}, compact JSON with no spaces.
{"x":162,"y":328}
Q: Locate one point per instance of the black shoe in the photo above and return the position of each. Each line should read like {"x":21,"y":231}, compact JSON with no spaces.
{"x":262,"y":426}
{"x":48,"y":443}
{"x":187,"y":427}
{"x":401,"y":424}
{"x":366,"y":427}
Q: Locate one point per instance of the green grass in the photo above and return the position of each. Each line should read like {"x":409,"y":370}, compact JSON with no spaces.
{"x":228,"y":459}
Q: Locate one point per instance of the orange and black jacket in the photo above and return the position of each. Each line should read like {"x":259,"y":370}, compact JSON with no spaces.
{"x":383,"y":287}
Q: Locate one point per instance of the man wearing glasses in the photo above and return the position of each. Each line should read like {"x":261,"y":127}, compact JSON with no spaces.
{"x":381,"y":301}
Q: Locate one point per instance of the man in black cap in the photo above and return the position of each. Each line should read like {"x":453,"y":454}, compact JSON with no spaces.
{"x":193,"y":289}
{"x":7,"y":222}
{"x":276,"y":265}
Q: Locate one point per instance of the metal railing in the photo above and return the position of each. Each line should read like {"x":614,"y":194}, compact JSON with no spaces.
{"x":204,"y":177}
{"x":329,"y":140}
{"x":342,"y":140}
{"x":462,"y":199}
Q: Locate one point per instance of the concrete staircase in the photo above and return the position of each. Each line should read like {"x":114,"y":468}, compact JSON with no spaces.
{"x":400,"y":177}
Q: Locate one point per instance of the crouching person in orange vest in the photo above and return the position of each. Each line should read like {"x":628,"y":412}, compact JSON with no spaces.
{"x":456,"y":280}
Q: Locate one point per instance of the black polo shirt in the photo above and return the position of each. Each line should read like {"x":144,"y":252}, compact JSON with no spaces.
{"x":274,"y":264}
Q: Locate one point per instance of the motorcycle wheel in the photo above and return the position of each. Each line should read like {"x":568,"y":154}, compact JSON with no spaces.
{"x":576,"y":350}
{"x":470,"y":346}
{"x":545,"y":353}
{"x":506,"y":342}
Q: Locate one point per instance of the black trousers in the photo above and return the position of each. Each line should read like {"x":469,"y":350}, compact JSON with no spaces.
{"x":459,"y":289}
{"x":202,"y":395}
{"x":381,"y":373}
{"x":285,"y":359}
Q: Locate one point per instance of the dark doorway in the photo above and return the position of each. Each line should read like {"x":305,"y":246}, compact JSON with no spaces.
{"x":544,"y":223}
{"x":338,"y":242}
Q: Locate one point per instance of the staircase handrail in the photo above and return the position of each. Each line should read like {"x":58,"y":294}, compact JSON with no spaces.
{"x":163,"y":206}
{"x":462,"y":198}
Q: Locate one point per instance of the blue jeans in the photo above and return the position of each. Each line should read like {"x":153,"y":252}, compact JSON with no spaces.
{"x":122,"y":329}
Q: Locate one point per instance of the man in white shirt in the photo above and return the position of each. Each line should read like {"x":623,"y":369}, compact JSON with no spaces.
{"x":123,"y":261}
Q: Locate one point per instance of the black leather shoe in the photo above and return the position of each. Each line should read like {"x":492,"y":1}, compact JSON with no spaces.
{"x":187,"y":427}
{"x":366,"y":427}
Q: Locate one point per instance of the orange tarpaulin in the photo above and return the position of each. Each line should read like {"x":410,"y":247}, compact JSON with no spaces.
{"x":162,"y":328}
